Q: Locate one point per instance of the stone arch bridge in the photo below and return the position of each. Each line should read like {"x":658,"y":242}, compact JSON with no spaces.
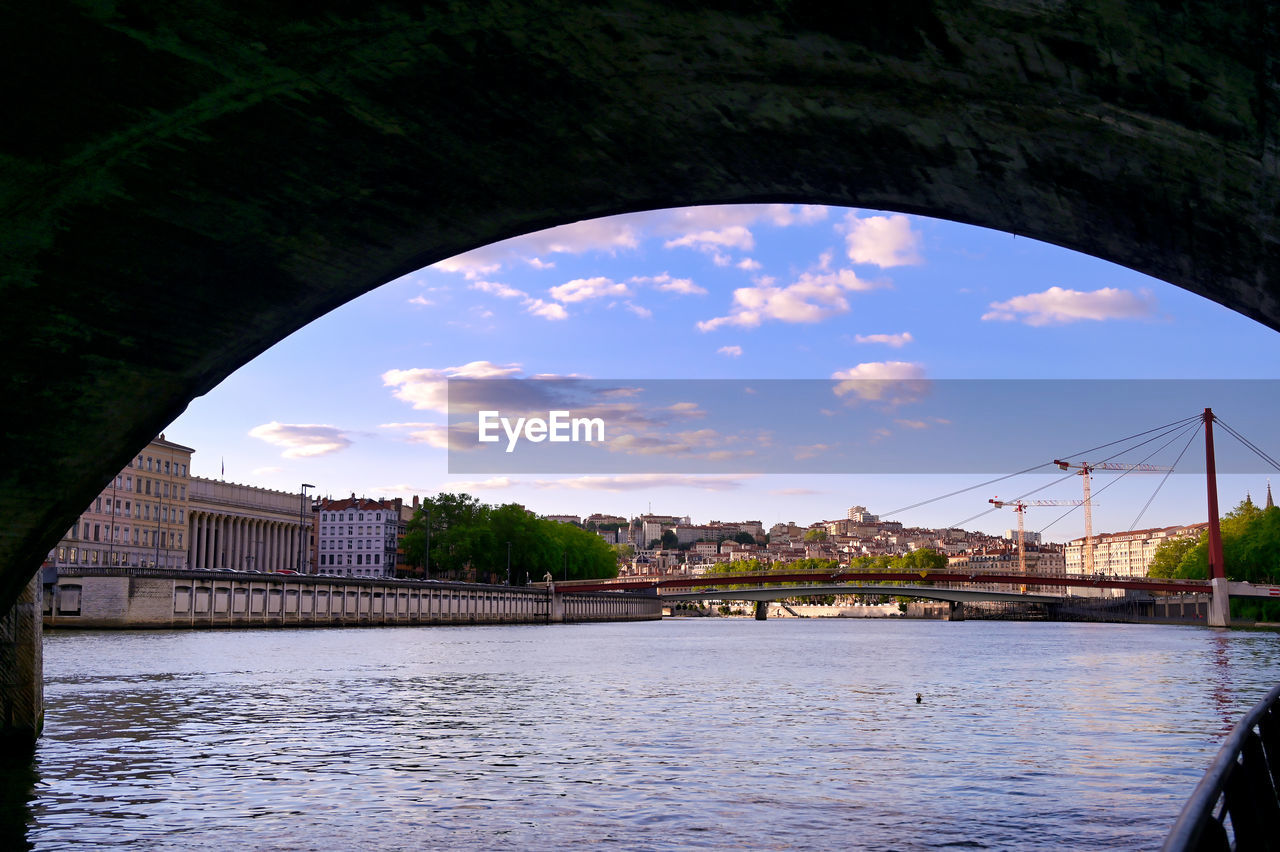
{"x":184,"y":183}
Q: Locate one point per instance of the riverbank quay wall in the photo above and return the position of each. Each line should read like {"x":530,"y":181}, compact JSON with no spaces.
{"x":137,"y":598}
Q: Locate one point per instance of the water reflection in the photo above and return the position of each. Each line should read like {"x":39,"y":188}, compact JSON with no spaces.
{"x":699,"y":734}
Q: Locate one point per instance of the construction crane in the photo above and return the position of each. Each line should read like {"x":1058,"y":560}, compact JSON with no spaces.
{"x":1085,"y":469}
{"x":1020,"y":506}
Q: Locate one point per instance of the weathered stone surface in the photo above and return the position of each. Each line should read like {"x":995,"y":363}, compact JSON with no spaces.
{"x":183,"y":183}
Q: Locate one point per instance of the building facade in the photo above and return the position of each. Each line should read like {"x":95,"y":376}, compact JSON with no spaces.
{"x":140,"y":519}
{"x":244,"y":528}
{"x":1126,"y":554}
{"x":360,"y":537}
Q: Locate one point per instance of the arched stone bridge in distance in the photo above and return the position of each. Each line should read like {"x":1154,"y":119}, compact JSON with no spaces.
{"x":184,"y":184}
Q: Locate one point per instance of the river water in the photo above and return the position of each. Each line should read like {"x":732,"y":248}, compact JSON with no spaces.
{"x":686,"y":733}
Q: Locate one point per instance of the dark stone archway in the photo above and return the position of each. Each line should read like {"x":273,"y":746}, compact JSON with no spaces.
{"x":186,"y":182}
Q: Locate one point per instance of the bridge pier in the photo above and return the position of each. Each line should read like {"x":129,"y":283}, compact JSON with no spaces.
{"x":555,"y":605}
{"x":762,"y":610}
{"x":955,"y":611}
{"x":1220,"y":605}
{"x":22,"y":671}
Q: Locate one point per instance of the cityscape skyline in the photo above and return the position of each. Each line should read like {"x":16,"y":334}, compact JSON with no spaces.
{"x":352,"y":402}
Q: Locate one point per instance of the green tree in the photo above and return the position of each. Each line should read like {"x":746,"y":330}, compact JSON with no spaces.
{"x":744,"y":538}
{"x":815,"y":534}
{"x":670,"y":541}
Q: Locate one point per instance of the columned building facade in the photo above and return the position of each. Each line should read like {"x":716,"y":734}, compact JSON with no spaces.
{"x":244,"y":528}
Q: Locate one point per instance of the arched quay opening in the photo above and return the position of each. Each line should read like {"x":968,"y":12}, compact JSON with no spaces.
{"x":191,"y":182}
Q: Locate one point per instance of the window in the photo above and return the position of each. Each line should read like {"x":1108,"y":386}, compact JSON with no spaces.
{"x":375,"y":559}
{"x":97,"y":530}
{"x":148,"y":462}
{"x":358,"y":559}
{"x":166,"y":489}
{"x":139,"y":462}
{"x":184,"y":470}
{"x":148,"y":486}
{"x":184,"y":493}
{"x":75,"y":554}
{"x":128,"y":483}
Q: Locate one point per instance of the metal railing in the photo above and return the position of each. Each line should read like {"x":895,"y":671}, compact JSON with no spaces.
{"x":1236,"y":806}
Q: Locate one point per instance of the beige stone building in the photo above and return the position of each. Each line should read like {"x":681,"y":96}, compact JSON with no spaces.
{"x":139,"y":519}
{"x":246,"y":528}
{"x":1126,"y":554}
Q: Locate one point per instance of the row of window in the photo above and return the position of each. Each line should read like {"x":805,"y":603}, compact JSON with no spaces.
{"x":142,"y":511}
{"x":331,"y":559}
{"x":170,"y":468}
{"x":366,"y":544}
{"x":93,"y":556}
{"x":352,"y":516}
{"x":329,"y":529}
{"x":148,"y":487}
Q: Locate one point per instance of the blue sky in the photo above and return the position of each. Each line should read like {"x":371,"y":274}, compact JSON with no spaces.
{"x":352,"y":403}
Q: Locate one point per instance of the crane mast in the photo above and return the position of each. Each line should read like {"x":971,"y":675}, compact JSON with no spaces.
{"x":1085,"y":469}
{"x":1020,"y":507}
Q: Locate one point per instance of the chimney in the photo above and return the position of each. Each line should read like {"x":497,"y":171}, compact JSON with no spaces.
{"x":415,"y":501}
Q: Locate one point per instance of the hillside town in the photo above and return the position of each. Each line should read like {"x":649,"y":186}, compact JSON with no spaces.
{"x":154,"y":513}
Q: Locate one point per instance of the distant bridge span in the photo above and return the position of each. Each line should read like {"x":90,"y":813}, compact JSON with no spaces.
{"x":1144,"y":584}
{"x":774,"y":593}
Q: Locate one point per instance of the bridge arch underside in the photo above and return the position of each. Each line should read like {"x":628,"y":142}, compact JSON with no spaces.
{"x":187,"y":183}
{"x":777,"y":593}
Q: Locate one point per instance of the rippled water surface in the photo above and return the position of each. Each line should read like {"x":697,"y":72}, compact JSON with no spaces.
{"x":696,"y":733}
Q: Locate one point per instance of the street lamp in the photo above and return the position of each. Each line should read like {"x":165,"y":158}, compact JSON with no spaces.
{"x":302,"y":523}
{"x":508,"y":563}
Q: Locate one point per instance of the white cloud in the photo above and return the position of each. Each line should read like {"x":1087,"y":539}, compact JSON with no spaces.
{"x":421,"y":300}
{"x":302,"y":440}
{"x":748,"y":264}
{"x":812,"y":298}
{"x":639,"y":310}
{"x":734,"y":236}
{"x":581,"y":289}
{"x":426,"y":388}
{"x":431,"y":434}
{"x":810,"y":451}
{"x":731,"y":351}
{"x":687,"y":409}
{"x":494,"y":483}
{"x":1057,"y":306}
{"x":546,"y":310}
{"x":897,"y":341}
{"x":471,"y":265}
{"x":886,"y":381}
{"x":666,"y":283}
{"x":883,"y":241}
{"x":795,"y":492}
{"x":609,"y":234}
{"x":618,"y":233}
{"x":502,"y":291}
